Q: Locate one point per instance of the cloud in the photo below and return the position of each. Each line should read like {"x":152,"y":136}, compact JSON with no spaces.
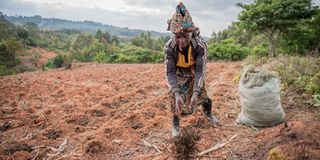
{"x":209,"y":15}
{"x":150,"y":4}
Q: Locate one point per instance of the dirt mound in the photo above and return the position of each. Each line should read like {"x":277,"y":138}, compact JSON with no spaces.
{"x":121,"y":111}
{"x":41,"y":55}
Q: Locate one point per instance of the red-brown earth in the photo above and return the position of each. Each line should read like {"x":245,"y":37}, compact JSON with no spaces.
{"x":122,"y":111}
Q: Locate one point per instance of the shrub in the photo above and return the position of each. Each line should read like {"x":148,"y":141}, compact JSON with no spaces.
{"x":56,"y":62}
{"x":122,"y":58}
{"x":8,"y":50}
{"x":5,"y":71}
{"x":260,"y":50}
{"x":133,"y":54}
{"x":89,"y":53}
{"x":49,"y":64}
{"x":8,"y":59}
{"x":101,"y":57}
{"x":227,"y":50}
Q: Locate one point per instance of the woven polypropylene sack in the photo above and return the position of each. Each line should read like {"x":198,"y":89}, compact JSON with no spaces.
{"x":260,"y":98}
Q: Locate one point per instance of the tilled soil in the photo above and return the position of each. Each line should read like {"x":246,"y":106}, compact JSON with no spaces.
{"x":122,"y":111}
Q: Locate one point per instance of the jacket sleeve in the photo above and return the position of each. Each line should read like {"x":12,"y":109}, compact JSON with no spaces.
{"x":170,"y":63}
{"x":200,"y":68}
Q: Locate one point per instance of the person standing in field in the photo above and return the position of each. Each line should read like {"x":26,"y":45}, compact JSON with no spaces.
{"x":185,"y":60}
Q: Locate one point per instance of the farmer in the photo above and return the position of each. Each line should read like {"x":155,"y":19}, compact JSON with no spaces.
{"x":185,"y":59}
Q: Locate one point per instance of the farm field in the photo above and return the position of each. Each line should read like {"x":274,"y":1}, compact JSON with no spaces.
{"x":122,"y":111}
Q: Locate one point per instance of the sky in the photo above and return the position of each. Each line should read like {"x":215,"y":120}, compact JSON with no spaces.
{"x":208,"y":15}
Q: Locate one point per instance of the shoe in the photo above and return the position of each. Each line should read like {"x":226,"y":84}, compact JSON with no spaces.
{"x":212,"y":119}
{"x":175,"y":131}
{"x":175,"y":126}
{"x":207,"y":111}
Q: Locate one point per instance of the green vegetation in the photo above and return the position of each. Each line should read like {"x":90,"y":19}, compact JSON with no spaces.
{"x":273,"y":17}
{"x":77,"y":46}
{"x":227,"y":50}
{"x":270,"y":27}
{"x":300,"y":73}
{"x":144,"y":40}
{"x":303,"y":73}
{"x":56,"y":62}
{"x":11,"y":41}
{"x":281,"y":34}
{"x":107,"y":49}
{"x":133,"y":54}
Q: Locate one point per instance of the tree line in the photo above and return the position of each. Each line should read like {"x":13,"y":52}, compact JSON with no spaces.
{"x":269,"y":28}
{"x":75,"y":45}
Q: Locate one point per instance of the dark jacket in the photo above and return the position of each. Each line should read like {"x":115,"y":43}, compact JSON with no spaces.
{"x":199,"y":53}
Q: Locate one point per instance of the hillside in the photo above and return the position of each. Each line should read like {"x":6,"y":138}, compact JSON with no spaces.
{"x":121,"y":111}
{"x":84,"y":26}
{"x":34,"y":59}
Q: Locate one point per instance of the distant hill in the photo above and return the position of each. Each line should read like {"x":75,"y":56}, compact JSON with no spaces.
{"x":84,"y":26}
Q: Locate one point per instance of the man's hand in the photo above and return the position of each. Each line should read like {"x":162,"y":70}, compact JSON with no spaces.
{"x":194,"y":102}
{"x":179,"y":103}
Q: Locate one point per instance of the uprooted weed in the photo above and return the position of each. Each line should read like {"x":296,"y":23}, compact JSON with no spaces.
{"x":185,"y":145}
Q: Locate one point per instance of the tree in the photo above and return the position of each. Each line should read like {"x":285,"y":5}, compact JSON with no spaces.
{"x":8,"y":50}
{"x":115,"y":40}
{"x":89,"y":52}
{"x":213,"y":38}
{"x":148,"y":42}
{"x":83,"y":41}
{"x":137,"y":41}
{"x":165,"y":39}
{"x":22,"y":33}
{"x":303,"y":38}
{"x":158,"y":44}
{"x":30,"y":26}
{"x":99,"y":34}
{"x":144,"y":40}
{"x":235,"y":31}
{"x":107,"y":37}
{"x":273,"y":17}
{"x":34,"y":38}
{"x":6,"y":28}
{"x":315,"y":27}
{"x":55,"y":43}
{"x":103,"y":37}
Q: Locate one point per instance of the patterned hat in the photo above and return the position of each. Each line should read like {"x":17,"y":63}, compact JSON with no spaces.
{"x":181,"y":20}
